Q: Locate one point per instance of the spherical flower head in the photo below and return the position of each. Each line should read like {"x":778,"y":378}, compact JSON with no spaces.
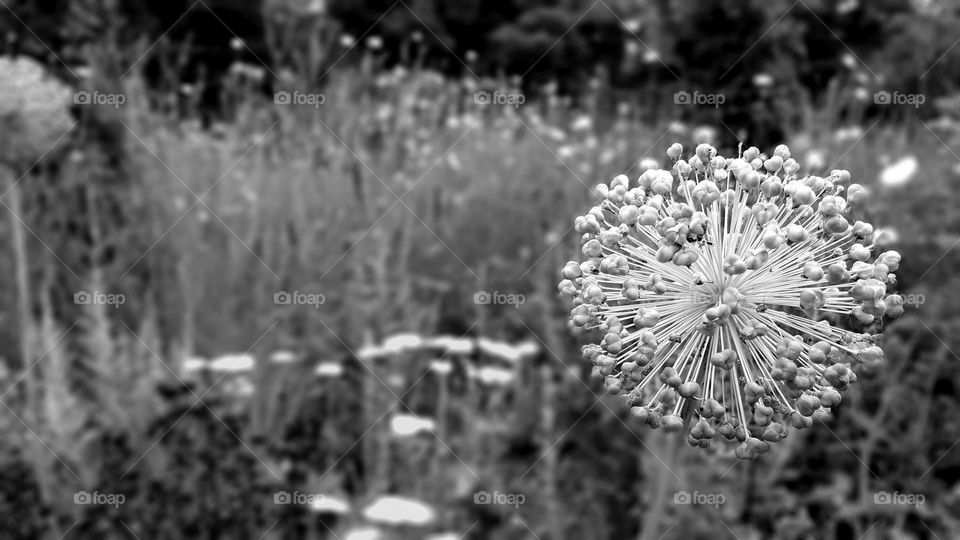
{"x":34,"y":111}
{"x":717,"y":290}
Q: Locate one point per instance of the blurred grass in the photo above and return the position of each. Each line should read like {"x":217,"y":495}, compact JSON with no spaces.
{"x":398,"y":200}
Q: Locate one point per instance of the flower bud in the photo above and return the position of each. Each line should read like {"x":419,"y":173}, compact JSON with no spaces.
{"x":773,"y":164}
{"x":675,"y":151}
{"x":689,"y":389}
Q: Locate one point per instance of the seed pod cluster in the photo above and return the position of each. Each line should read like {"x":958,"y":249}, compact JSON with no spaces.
{"x":711,"y":287}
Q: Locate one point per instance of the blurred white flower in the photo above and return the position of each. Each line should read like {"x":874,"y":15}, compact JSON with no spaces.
{"x":507,"y":351}
{"x":402,"y":342}
{"x":677,"y":128}
{"x":397,"y":510}
{"x":192,"y":364}
{"x":363,"y":533}
{"x":330,"y":505}
{"x":848,"y":133}
{"x":444,"y":536}
{"x":648,"y":163}
{"x":763,"y":80}
{"x":329,"y":370}
{"x":347,"y":41}
{"x":494,"y":376}
{"x":441,"y":367}
{"x":885,"y":236}
{"x":651,"y":56}
{"x":582,"y":122}
{"x":565,"y":152}
{"x":815,"y":159}
{"x":900,"y":172}
{"x":632,"y":25}
{"x":704,"y":135}
{"x":239,"y":387}
{"x":375,"y":43}
{"x":233,"y":363}
{"x":283,"y":357}
{"x":237,"y":43}
{"x":849,"y":60}
{"x":861,"y":94}
{"x":406,"y":425}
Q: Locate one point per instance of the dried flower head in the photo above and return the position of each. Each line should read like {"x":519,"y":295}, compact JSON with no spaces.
{"x":714,"y":285}
{"x":34,"y":110}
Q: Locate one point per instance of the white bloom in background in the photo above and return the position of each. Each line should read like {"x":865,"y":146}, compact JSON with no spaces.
{"x":329,"y":370}
{"x":651,"y":56}
{"x":363,"y":533}
{"x":347,"y":41}
{"x":370,"y":352}
{"x":648,"y":163}
{"x":451,"y":344}
{"x":506,"y":351}
{"x":900,"y":172}
{"x":849,"y":133}
{"x":233,"y":363}
{"x":240,"y":387}
{"x":862,"y":94}
{"x":582,"y":123}
{"x":398,"y":343}
{"x":406,"y":425}
{"x":330,"y":505}
{"x":375,"y":43}
{"x":193,"y":364}
{"x":283,"y":357}
{"x":444,"y":536}
{"x":704,"y":135}
{"x":494,"y":376}
{"x":885,"y":236}
{"x":441,"y":367}
{"x":763,"y":80}
{"x":396,"y":510}
{"x":816,"y":159}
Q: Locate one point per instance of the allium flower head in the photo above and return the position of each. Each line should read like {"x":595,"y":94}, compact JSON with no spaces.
{"x":34,"y":110}
{"x":717,"y":289}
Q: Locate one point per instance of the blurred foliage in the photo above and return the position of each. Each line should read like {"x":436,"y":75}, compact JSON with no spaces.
{"x":199,"y":199}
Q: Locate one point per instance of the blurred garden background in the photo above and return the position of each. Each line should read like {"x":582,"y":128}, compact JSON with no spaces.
{"x":287,"y":268}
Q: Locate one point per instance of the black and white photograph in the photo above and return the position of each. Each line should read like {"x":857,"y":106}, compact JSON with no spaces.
{"x":477,"y":269}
